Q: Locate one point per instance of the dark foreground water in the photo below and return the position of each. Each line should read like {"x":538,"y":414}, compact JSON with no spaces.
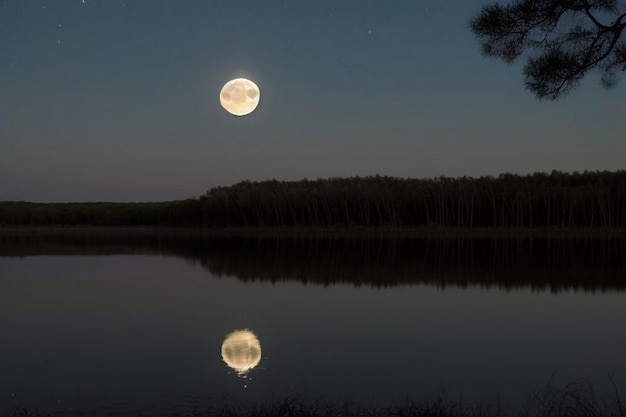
{"x":130,"y":324}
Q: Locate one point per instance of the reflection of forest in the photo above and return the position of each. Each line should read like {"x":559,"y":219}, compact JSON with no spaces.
{"x":554,"y":264}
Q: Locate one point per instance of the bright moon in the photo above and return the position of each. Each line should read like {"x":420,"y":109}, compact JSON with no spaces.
{"x":241,"y":351}
{"x":240,"y":96}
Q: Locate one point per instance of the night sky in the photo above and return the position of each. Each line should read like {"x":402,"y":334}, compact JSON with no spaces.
{"x":111,"y":100}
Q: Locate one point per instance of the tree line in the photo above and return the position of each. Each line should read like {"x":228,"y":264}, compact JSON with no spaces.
{"x":589,"y":199}
{"x":171,"y":213}
{"x":556,"y":199}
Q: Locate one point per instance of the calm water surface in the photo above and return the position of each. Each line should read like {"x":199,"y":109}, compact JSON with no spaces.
{"x":125,"y":325}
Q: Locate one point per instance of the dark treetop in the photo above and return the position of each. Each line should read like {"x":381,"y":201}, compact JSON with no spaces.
{"x":568,"y":39}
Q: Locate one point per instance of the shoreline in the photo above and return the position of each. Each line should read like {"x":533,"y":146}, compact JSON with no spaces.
{"x":313,"y":232}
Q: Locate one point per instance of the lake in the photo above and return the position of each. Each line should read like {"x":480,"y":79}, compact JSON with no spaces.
{"x":128,"y":324}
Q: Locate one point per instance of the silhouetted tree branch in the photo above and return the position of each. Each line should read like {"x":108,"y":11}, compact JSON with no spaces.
{"x":568,"y":38}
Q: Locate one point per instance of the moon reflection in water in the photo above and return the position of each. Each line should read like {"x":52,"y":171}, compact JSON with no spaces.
{"x":241,"y":351}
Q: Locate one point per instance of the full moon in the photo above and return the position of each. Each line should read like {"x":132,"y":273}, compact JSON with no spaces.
{"x":240,"y":96}
{"x":241,"y":351}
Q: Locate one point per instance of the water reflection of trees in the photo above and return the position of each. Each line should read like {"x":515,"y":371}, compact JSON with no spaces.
{"x":542,"y":264}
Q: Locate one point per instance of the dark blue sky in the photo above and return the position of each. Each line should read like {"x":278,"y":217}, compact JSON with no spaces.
{"x":118,"y":100}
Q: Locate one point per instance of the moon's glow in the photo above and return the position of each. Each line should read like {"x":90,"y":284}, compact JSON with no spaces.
{"x":240,"y":96}
{"x":241,"y":351}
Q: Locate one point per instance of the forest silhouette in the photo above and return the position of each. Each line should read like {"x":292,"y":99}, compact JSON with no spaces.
{"x":539,"y":200}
